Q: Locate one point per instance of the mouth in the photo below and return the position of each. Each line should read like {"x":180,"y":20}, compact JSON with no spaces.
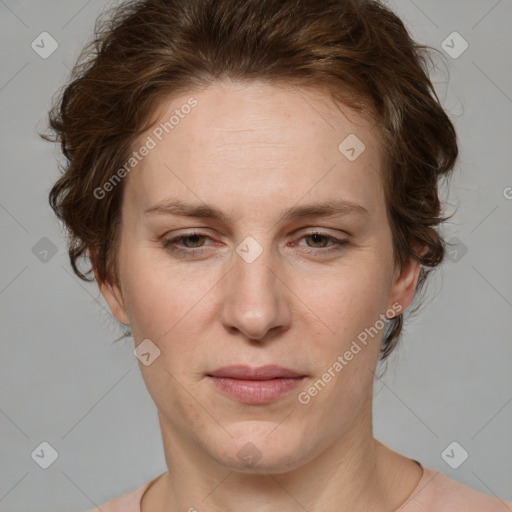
{"x":255,"y":385}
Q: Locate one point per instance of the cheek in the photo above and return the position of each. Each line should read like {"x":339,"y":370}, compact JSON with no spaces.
{"x":156,"y":296}
{"x":346,"y":299}
{"x":173,"y":309}
{"x":164,"y":300}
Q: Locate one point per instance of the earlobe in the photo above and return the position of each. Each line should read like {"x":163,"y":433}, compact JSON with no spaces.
{"x":405,"y":284}
{"x":112,"y":295}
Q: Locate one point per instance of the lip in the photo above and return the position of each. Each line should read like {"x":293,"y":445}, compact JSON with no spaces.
{"x":255,"y":385}
{"x":255,"y":373}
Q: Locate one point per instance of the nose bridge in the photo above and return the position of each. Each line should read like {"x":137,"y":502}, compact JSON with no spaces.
{"x":252,"y":267}
{"x":253,"y":300}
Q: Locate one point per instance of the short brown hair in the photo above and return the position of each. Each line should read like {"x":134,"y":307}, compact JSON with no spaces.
{"x":147,"y":51}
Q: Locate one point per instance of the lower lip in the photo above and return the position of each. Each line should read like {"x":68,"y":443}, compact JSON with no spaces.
{"x":255,"y":391}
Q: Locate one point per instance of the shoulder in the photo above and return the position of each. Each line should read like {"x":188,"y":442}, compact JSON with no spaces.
{"x":128,"y":502}
{"x":438,"y":493}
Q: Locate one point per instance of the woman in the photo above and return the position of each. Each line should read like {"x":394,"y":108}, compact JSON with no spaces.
{"x":255,"y":185}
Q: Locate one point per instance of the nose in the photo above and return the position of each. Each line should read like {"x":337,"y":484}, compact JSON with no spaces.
{"x":255,"y":299}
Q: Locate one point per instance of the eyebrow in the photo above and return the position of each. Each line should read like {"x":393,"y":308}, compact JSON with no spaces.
{"x":337,"y":207}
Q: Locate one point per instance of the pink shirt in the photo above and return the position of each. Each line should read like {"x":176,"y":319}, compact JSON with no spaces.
{"x":435,"y":492}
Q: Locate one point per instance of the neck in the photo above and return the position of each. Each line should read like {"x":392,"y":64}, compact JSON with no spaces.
{"x":355,"y":472}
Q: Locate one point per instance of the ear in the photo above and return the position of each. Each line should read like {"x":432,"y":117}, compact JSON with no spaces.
{"x":404,"y":284}
{"x":114,"y":298}
{"x":112,"y":294}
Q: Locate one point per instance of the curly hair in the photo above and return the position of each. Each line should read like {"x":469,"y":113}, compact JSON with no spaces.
{"x":144,"y":52}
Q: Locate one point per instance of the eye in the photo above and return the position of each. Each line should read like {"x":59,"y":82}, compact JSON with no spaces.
{"x":322,"y":239}
{"x":191,"y":244}
{"x":171,"y":243}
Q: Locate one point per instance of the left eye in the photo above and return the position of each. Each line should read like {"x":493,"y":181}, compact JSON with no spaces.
{"x":195,"y":239}
{"x":181,"y":238}
{"x":316,"y":236}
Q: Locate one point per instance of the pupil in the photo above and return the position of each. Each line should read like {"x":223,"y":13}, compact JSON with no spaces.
{"x":193,"y":238}
{"x":315,"y":237}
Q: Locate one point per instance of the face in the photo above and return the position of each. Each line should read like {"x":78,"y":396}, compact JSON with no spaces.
{"x":256,"y":285}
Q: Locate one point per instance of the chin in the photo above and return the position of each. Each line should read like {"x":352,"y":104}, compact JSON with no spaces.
{"x":254,"y":461}
{"x":261,"y":447}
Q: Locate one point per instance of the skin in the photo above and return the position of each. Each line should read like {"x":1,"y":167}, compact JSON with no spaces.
{"x":253,"y":150}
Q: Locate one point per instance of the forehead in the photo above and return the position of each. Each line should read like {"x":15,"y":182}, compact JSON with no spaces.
{"x":257,"y":145}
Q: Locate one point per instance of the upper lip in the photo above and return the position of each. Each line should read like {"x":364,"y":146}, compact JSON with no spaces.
{"x":255,"y":373}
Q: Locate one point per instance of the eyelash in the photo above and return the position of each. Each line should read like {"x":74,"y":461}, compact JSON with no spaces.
{"x":190,"y":252}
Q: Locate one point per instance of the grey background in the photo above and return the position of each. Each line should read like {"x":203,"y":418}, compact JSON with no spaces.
{"x":63,"y":380}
